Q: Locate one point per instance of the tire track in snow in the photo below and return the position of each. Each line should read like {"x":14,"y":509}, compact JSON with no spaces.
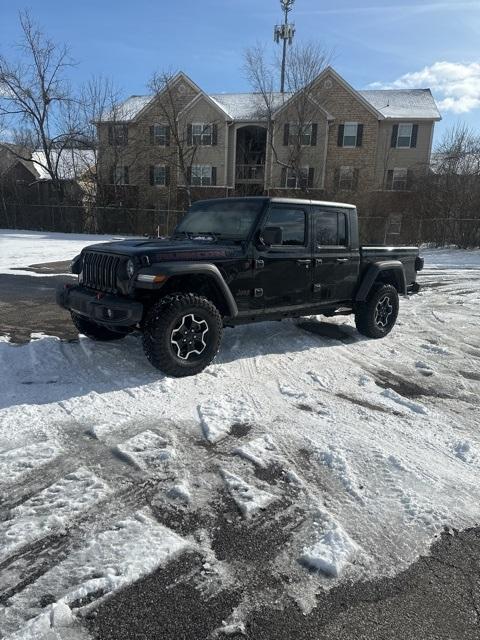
{"x":51,"y":511}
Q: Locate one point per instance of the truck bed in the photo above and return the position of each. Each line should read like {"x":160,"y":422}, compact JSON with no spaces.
{"x":377,"y":253}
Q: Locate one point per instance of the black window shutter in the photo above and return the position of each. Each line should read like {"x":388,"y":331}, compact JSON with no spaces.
{"x":286,"y":134}
{"x":389,"y":184}
{"x":126,"y":175}
{"x":110,"y":134}
{"x":214,"y":134}
{"x":336,"y":179}
{"x":152,"y":174}
{"x":189,"y":173}
{"x":413,"y":141}
{"x":152,"y":134}
{"x":359,"y":135}
{"x":409,"y":180}
{"x":283,"y":179}
{"x":311,"y":173}
{"x":111,"y":175}
{"x":355,"y":179}
{"x":167,"y":176}
{"x":341,"y":128}
{"x":125,"y":133}
{"x":214,"y":176}
{"x":167,"y":136}
{"x":393,"y":142}
{"x":313,"y":141}
{"x":189,"y":135}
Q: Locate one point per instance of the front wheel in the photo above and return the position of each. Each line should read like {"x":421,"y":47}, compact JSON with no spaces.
{"x":96,"y":331}
{"x":182,"y":334}
{"x":376,"y":317}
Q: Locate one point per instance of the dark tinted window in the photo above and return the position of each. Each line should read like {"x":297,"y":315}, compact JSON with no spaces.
{"x":330,"y":228}
{"x":228,"y":218}
{"x":292,"y":223}
{"x":342,"y":229}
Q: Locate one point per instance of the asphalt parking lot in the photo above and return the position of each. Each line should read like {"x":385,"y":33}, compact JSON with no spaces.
{"x":437,"y":597}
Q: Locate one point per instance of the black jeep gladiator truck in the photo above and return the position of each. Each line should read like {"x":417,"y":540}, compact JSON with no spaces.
{"x":232,"y":261}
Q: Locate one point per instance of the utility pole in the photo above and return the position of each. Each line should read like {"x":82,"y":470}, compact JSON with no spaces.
{"x":284,"y":32}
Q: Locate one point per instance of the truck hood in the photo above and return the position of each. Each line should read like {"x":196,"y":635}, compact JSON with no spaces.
{"x":165,"y":249}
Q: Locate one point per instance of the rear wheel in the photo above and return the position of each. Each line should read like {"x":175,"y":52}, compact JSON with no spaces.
{"x":96,"y":331}
{"x":182,"y":334}
{"x":376,"y":317}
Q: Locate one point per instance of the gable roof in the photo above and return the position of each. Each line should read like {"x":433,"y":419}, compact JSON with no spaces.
{"x":217,"y":106}
{"x":128,"y":110}
{"x":72,"y":163}
{"x":416,"y":104}
{"x":413,"y":104}
{"x":9,"y":159}
{"x":248,"y":106}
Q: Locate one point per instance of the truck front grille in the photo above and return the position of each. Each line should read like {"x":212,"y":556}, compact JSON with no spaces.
{"x":100,"y":271}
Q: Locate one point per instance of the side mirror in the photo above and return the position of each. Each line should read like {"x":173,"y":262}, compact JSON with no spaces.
{"x":271,"y":235}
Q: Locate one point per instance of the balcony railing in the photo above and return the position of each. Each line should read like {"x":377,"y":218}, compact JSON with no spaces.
{"x":249,"y":172}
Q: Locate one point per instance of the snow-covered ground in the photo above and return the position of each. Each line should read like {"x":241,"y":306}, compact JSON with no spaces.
{"x":350,"y":454}
{"x":25,"y":248}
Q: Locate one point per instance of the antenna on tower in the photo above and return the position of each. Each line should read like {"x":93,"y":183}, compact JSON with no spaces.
{"x":284,"y":32}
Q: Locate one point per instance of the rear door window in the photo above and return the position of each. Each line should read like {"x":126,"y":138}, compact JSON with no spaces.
{"x":330,"y":228}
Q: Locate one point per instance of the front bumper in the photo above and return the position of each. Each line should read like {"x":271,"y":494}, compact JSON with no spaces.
{"x":100,"y":307}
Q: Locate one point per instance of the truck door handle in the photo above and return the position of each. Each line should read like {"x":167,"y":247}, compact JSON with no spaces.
{"x":342,"y":259}
{"x":304,"y":261}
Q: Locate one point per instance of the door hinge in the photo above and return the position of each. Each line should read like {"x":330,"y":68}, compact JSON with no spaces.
{"x":259,"y":264}
{"x":258,"y":293}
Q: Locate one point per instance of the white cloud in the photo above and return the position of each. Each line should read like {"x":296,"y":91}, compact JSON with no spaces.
{"x":456,"y":85}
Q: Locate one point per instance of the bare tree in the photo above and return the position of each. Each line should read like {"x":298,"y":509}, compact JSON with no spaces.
{"x":98,"y":101}
{"x":449,"y":195}
{"x":35,"y":97}
{"x":305,"y":63}
{"x":182,"y":150}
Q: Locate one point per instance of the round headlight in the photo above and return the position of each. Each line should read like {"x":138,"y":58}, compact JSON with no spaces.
{"x":130,"y":268}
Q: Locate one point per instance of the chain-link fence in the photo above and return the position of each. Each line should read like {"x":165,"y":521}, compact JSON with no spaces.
{"x":399,"y":229}
{"x":391,"y":229}
{"x":78,"y":219}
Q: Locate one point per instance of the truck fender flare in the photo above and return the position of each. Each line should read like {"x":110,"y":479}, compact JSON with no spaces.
{"x":190,"y":269}
{"x":372,"y":274}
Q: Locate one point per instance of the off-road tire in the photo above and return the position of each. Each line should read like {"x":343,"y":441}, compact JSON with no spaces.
{"x":95,"y":331}
{"x":160,"y":327}
{"x":369,"y":321}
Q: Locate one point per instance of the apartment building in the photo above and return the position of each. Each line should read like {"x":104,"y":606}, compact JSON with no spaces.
{"x":325,"y":140}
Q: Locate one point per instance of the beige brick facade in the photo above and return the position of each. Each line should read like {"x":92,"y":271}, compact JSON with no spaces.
{"x":234,"y":157}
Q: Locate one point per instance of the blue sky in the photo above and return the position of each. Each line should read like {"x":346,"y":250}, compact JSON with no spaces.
{"x":406,"y":43}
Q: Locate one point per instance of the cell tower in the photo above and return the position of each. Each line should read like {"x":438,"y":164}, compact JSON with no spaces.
{"x":284,"y":32}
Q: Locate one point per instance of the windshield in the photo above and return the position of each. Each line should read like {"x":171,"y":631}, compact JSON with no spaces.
{"x":226,"y":219}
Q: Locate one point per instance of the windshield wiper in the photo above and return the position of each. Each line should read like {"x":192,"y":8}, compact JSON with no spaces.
{"x":191,"y":235}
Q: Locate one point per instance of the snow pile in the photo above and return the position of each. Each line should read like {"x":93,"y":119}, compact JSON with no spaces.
{"x":217,"y":418}
{"x":333,"y":550}
{"x":261,"y":451}
{"x":249,"y":499}
{"x":51,"y":510}
{"x":146,"y":450}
